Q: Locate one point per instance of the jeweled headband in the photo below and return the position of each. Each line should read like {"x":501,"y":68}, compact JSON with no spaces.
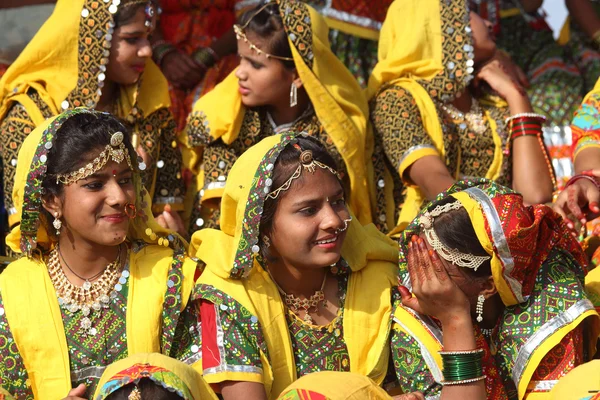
{"x":451,"y":255}
{"x":308,"y":163}
{"x":115,"y":151}
{"x":240,"y":34}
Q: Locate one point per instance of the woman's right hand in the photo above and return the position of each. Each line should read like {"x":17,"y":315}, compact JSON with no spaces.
{"x":77,"y":393}
{"x":435,"y":293}
{"x":181,"y":70}
{"x":579,"y":197}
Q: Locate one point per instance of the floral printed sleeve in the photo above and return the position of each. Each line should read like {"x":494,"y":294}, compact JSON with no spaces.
{"x":585,"y":127}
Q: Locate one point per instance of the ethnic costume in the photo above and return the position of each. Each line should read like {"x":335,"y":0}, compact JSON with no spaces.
{"x":190,"y":27}
{"x":248,"y":333}
{"x":548,"y":326}
{"x":64,"y":66}
{"x":55,"y":343}
{"x":220,"y":128}
{"x":425,"y":59}
{"x":166,"y":372}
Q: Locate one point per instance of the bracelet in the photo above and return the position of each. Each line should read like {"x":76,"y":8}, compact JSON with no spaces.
{"x":461,"y":352}
{"x":161,"y":51}
{"x":527,"y":115}
{"x":461,"y":367}
{"x":463,"y":382}
{"x":159,"y":43}
{"x":206,"y":57}
{"x":582,"y":176}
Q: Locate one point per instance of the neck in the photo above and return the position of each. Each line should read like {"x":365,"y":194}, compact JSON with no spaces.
{"x":296,"y":281}
{"x":284,"y":114}
{"x":84,"y":258}
{"x":492,"y":310}
{"x":463,"y":102}
{"x":108,"y":97}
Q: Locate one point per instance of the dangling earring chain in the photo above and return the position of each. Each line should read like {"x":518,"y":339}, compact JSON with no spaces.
{"x":293,"y":95}
{"x":479,"y":307}
{"x":346,"y":222}
{"x":57,"y":223}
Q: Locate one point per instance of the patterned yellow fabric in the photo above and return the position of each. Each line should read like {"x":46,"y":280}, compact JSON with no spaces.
{"x":232,"y":268}
{"x":335,"y":95}
{"x":425,"y":59}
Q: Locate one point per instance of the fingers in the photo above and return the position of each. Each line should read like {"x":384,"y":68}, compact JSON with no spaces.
{"x":521,"y":77}
{"x":425,"y":264}
{"x":593,"y":198}
{"x":79,"y":391}
{"x":438,"y":267}
{"x":412,"y":262}
{"x":408,"y":300}
{"x":160,"y":219}
{"x":144,"y":154}
{"x":573,"y":203}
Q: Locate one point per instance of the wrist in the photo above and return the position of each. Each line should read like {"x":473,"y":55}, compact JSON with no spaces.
{"x":457,"y":320}
{"x":518,"y":102}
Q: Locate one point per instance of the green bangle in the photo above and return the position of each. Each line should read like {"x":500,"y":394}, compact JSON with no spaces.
{"x":461,"y":367}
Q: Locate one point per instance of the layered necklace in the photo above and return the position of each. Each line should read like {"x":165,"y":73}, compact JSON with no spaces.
{"x":474,"y":118}
{"x":92,"y":296}
{"x":295,"y":303}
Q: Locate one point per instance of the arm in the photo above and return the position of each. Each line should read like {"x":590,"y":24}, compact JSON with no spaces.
{"x":243,"y":390}
{"x":583,"y":12}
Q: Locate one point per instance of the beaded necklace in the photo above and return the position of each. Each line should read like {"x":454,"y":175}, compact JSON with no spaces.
{"x":474,"y":118}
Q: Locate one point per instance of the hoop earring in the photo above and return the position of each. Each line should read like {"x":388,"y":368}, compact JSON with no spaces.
{"x":479,"y":307}
{"x":293,"y":95}
{"x":130,"y":210}
{"x":57,"y":223}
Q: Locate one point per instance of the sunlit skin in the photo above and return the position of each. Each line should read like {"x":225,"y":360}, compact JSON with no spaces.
{"x":483,"y":40}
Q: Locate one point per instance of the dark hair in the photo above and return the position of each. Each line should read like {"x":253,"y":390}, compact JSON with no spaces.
{"x":127,"y":12}
{"x":284,"y":167}
{"x":455,"y":230}
{"x":78,"y":139}
{"x":148,"y":389}
{"x":268,"y":25}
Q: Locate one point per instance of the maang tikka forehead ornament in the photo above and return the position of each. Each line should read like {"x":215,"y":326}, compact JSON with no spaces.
{"x":451,"y":255}
{"x":115,"y":151}
{"x":308,"y":163}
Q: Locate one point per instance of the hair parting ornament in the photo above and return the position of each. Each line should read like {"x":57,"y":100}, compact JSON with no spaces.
{"x":241,"y":35}
{"x":451,"y":255}
{"x":135,"y":394}
{"x":115,"y":151}
{"x":308,"y":163}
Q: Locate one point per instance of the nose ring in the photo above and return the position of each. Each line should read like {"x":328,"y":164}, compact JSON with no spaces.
{"x":346,"y":222}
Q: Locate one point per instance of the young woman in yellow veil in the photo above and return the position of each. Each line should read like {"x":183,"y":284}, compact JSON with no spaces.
{"x":94,"y":54}
{"x":288,"y":78}
{"x":432,"y":113}
{"x":99,"y":279}
{"x":294,"y":283}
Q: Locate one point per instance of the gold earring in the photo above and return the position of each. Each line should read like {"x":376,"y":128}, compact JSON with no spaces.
{"x":57,"y":223}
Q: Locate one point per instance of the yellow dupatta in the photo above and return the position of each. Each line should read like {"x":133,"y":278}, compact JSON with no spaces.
{"x":334,"y":93}
{"x":520,"y":241}
{"x":65,"y":64}
{"x":30,"y":301}
{"x":425,"y":47}
{"x":164,"y":371}
{"x":231,"y":267}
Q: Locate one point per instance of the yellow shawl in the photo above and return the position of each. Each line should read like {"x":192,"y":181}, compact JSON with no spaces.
{"x":231,"y":267}
{"x":29,"y":298}
{"x":335,"y":95}
{"x":425,"y":47}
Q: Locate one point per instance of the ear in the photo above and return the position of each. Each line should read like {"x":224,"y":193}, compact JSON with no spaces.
{"x":53,"y":204}
{"x":297,"y":80}
{"x":488,"y":287}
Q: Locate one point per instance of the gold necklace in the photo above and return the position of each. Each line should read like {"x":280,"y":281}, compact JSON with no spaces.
{"x":474,"y":117}
{"x":92,"y":296}
{"x":295,"y":303}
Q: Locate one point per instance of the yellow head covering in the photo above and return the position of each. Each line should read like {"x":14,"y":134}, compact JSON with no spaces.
{"x":230,"y":255}
{"x":66,"y":63}
{"x":167,"y":372}
{"x":582,"y":383}
{"x":426,"y":48}
{"x":334,"y":93}
{"x":330,"y":385}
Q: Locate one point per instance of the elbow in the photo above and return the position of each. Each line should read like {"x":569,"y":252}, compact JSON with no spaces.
{"x":537,"y":196}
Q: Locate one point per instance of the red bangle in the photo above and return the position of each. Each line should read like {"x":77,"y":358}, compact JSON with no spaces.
{"x":583,"y":176}
{"x":524,"y":133}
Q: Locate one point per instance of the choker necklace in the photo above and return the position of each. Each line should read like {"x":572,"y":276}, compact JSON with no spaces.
{"x":295,"y":303}
{"x":474,"y":117}
{"x":93,"y":295}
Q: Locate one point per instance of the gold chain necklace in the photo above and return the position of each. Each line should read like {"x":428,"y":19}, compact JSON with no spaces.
{"x":295,"y":303}
{"x":474,"y":117}
{"x":91,"y":296}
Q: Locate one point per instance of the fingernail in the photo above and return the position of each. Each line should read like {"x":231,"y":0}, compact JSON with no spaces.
{"x":419,"y":240}
{"x":414,"y":238}
{"x":434,"y":256}
{"x":410,"y":245}
{"x":430,"y":251}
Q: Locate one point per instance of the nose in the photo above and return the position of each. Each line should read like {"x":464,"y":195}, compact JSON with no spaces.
{"x":331,"y":221}
{"x":488,"y":25}
{"x":116,"y":195}
{"x":240,"y":73}
{"x":145,"y":51}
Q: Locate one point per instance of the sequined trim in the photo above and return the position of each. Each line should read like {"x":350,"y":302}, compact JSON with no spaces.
{"x":499,"y":238}
{"x":350,"y":18}
{"x":94,"y":372}
{"x":168,"y":200}
{"x":214,"y":185}
{"x":544,"y":332}
{"x":541,"y":386}
{"x":413,"y":149}
{"x":12,"y":211}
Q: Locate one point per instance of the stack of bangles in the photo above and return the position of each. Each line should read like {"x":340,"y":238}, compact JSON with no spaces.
{"x":205,"y":57}
{"x":530,"y":124}
{"x":584,"y":175}
{"x":462,"y":367}
{"x":160,"y":49}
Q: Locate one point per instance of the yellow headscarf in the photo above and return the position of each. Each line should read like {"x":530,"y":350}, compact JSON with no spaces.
{"x":426,"y":48}
{"x":167,"y":372}
{"x":330,"y":385}
{"x":66,"y":62}
{"x":334,"y":93}
{"x":231,"y":266}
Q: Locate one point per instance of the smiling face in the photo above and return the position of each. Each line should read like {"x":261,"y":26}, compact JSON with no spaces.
{"x":130,"y":49}
{"x":93,"y":209}
{"x":309,"y":222}
{"x":262,"y":81}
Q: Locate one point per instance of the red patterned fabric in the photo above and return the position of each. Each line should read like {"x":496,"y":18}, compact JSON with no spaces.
{"x":565,"y":356}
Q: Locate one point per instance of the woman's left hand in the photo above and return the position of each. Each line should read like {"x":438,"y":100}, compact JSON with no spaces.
{"x":169,"y":219}
{"x":435,"y":293}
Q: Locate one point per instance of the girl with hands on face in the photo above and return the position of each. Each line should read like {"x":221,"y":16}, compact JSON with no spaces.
{"x":483,"y":268}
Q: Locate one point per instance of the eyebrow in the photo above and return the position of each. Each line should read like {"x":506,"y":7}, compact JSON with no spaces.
{"x":134,"y":33}
{"x":339,"y":193}
{"x":251,"y":59}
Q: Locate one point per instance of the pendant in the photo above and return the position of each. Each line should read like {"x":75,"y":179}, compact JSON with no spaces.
{"x":86,"y":285}
{"x":86,"y":323}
